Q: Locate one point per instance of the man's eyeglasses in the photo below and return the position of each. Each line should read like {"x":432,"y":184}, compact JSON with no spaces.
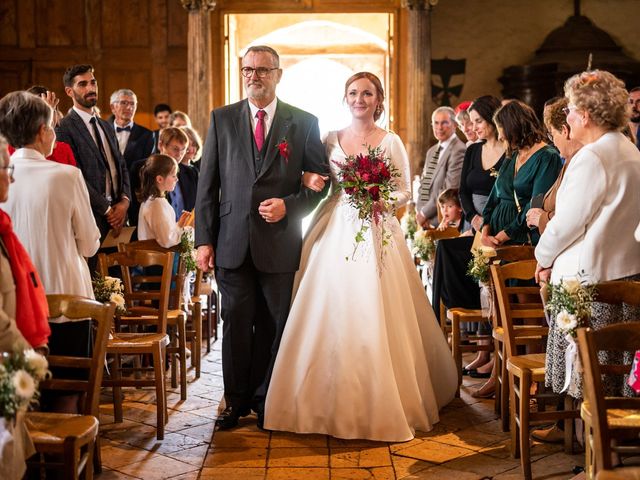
{"x":126,"y":103}
{"x":260,"y":71}
{"x":9,"y":168}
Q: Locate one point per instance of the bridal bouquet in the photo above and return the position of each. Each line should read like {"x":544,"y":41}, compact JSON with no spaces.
{"x":570,"y":303}
{"x":368,"y":181}
{"x":20,"y":374}
{"x":423,"y":245}
{"x":109,"y":289}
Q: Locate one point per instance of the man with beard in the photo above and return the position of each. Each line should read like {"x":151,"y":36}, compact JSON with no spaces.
{"x":249,"y":209}
{"x":634,"y":121}
{"x":96,"y":150}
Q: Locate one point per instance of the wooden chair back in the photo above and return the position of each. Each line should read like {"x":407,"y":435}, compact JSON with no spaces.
{"x":177,"y":276}
{"x":510,"y":305}
{"x":449,"y":232}
{"x":621,"y":337}
{"x":146,"y":296}
{"x":75,"y":308}
{"x":514,"y":253}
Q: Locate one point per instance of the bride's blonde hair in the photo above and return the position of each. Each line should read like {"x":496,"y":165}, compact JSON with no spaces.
{"x":376,"y":83}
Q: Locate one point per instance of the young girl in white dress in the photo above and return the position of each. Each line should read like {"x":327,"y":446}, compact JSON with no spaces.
{"x":156,"y":219}
{"x":362,"y":355}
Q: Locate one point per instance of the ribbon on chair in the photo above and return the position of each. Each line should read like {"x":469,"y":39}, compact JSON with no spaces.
{"x":571,"y":361}
{"x":486,"y":299}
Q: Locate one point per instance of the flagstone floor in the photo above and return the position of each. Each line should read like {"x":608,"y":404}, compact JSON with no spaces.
{"x":467,"y":444}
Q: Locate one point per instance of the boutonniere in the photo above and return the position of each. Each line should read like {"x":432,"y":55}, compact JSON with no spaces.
{"x":283,"y":147}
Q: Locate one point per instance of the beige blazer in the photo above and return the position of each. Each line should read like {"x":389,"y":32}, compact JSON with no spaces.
{"x":592,"y":232}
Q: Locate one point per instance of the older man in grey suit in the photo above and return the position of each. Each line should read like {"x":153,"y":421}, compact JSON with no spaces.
{"x":442,"y":166}
{"x":249,"y":208}
{"x":96,"y":150}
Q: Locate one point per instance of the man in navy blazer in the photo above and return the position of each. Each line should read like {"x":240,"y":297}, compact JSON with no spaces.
{"x":95,"y":148}
{"x":249,"y":209}
{"x":134,"y":141}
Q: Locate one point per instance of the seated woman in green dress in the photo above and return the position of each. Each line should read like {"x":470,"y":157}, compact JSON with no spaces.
{"x":531,"y":167}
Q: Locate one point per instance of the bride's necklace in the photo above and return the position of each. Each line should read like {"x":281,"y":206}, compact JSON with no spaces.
{"x":363,"y":137}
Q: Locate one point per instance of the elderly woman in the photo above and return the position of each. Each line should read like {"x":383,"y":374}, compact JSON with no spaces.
{"x":23,"y":304}
{"x":49,"y":204}
{"x":555,"y":121}
{"x":591,"y":236}
{"x":464,"y":122}
{"x":530,"y":170}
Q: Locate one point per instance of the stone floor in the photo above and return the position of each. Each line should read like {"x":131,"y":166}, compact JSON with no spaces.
{"x":467,"y":444}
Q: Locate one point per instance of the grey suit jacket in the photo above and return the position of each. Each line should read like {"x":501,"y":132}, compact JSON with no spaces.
{"x":230,"y":191}
{"x":446,"y":175}
{"x":73,"y":131}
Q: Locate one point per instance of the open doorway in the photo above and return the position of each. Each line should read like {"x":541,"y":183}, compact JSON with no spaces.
{"x":318,"y":52}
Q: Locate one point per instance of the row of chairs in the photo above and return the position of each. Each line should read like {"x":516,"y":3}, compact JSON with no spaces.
{"x":518,"y":323}
{"x":152,"y":300}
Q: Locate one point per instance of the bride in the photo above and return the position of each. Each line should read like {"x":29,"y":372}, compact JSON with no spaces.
{"x":362,"y":355}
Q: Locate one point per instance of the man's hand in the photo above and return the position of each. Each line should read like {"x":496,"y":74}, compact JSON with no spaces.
{"x":272,"y":210}
{"x":205,"y":258}
{"x":118,"y":214}
{"x":533,"y":216}
{"x":542,"y":274}
{"x":421,"y":220}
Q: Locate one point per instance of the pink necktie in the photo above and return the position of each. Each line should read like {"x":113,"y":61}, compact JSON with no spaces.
{"x":259,"y":133}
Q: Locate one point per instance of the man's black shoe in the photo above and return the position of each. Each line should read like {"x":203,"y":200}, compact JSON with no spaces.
{"x":229,"y":417}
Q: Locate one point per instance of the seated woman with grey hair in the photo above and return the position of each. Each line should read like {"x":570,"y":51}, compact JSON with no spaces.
{"x":591,"y":236}
{"x":49,"y":205}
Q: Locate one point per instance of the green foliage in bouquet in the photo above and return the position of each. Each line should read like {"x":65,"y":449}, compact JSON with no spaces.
{"x":478,"y":267}
{"x":187,"y":250}
{"x":570,"y":302}
{"x":423,"y":245}
{"x":20,"y":374}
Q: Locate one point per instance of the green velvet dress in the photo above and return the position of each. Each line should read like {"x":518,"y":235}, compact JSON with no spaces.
{"x":534,"y":177}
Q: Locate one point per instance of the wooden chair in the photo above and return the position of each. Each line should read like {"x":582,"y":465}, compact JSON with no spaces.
{"x":206,"y":287}
{"x":73,"y":438}
{"x":624,"y":473}
{"x":524,"y":370}
{"x":609,"y":420}
{"x":144,"y":305}
{"x":176,"y":317}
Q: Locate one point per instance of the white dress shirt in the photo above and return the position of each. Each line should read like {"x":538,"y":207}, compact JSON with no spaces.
{"x":122,"y":136}
{"x":270,"y":111}
{"x":49,"y":206}
{"x":157,"y":221}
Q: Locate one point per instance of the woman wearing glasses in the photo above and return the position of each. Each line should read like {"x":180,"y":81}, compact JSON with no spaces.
{"x":49,"y":206}
{"x":591,"y":236}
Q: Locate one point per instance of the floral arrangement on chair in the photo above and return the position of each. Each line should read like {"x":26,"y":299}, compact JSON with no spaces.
{"x":409,"y":224}
{"x":424,"y":246}
{"x":570,"y":303}
{"x":478,"y":267}
{"x":187,"y":250}
{"x":109,"y":289}
{"x":20,"y":374}
{"x":368,"y":181}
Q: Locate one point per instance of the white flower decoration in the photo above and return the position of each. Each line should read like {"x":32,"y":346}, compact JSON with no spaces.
{"x":37,"y":363}
{"x":23,"y":384}
{"x":566,"y":322}
{"x":572,"y":286}
{"x":117,"y":299}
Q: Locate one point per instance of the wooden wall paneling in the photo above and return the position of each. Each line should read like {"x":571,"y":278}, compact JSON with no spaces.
{"x":112,"y":79}
{"x":26,"y":23}
{"x":178,"y":98}
{"x":127,"y":23}
{"x":14,"y":76}
{"x":159,"y":78}
{"x":9,"y":23}
{"x":177,"y":24}
{"x":258,"y":6}
{"x":49,"y":74}
{"x":60,"y":23}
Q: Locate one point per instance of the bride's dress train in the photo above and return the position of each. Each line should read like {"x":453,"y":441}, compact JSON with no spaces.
{"x":362,"y":355}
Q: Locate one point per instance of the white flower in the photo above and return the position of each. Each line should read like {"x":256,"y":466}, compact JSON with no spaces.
{"x":572,"y":286}
{"x":566,"y":322}
{"x":112,"y":283}
{"x":117,"y":299}
{"x":23,"y":384}
{"x":37,"y":363}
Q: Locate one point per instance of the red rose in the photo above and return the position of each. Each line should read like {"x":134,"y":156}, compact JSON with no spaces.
{"x":374,"y":193}
{"x":283,"y":147}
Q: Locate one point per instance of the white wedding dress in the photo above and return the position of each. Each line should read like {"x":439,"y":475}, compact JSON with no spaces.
{"x":362,"y":355}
